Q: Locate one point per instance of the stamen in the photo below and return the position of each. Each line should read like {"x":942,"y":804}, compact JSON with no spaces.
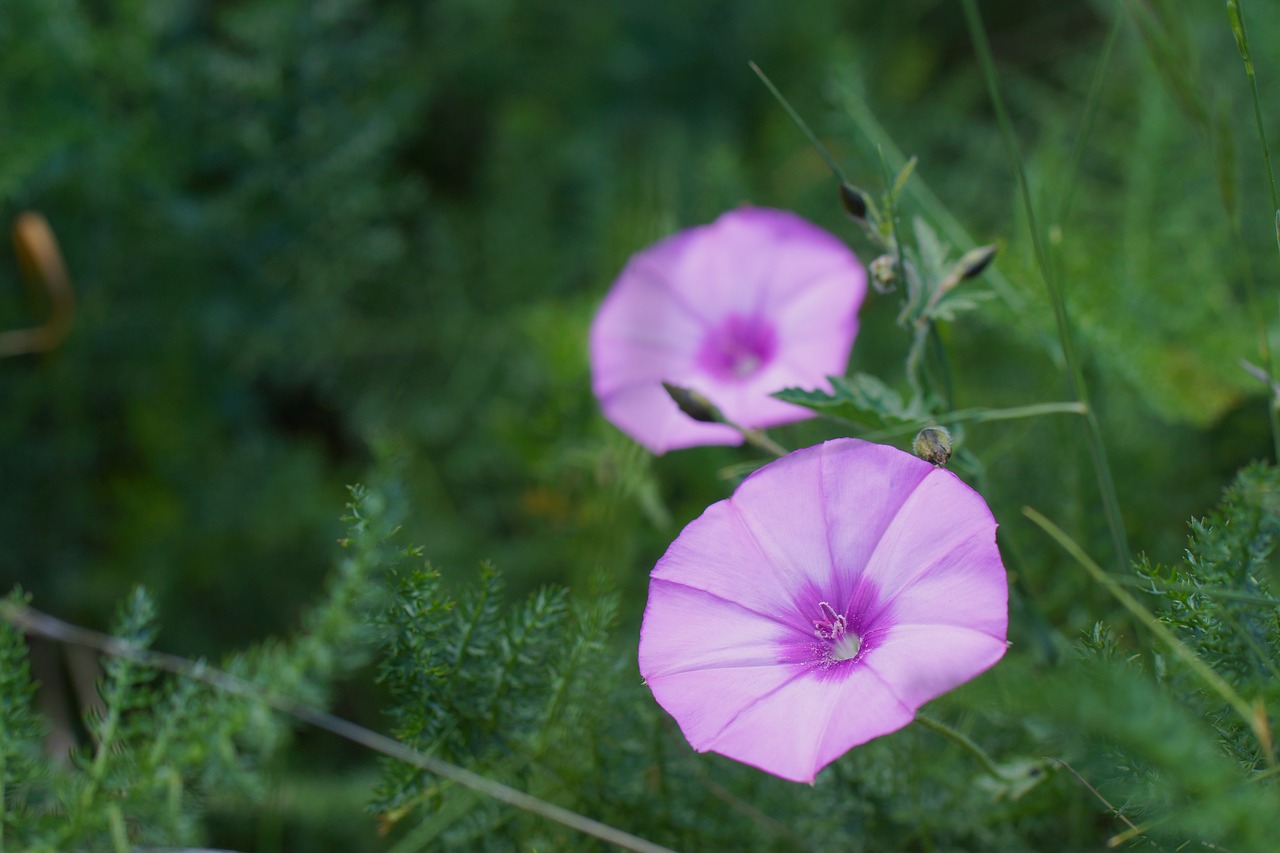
{"x":832,"y":625}
{"x":834,"y":628}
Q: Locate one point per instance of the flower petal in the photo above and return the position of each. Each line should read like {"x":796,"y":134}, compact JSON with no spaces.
{"x":805,"y":723}
{"x":781,"y":509}
{"x":647,"y":410}
{"x":681,"y":309}
{"x":968,"y":580}
{"x":706,"y":702}
{"x":921,"y":662}
{"x":642,"y":332}
{"x":718,"y":552}
{"x":689,"y":630}
{"x":865,"y":486}
{"x":941,"y":522}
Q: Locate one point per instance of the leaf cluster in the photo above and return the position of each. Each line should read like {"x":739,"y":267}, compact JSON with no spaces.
{"x":1219,"y":602}
{"x":479,"y":683}
{"x":159,"y":746}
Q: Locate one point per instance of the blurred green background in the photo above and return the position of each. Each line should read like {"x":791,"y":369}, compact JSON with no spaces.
{"x":316,"y":243}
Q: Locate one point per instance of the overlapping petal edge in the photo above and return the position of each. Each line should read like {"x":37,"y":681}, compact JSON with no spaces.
{"x":904,"y":552}
{"x":756,"y":280}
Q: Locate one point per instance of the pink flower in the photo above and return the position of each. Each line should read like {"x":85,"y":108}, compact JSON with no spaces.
{"x":837,"y":591}
{"x":755,"y":302}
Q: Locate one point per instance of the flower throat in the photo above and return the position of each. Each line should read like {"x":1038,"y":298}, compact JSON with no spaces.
{"x":834,"y":628}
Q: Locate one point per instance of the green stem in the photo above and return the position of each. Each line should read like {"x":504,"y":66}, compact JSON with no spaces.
{"x":804,"y":128}
{"x":1075,"y":370}
{"x":1092,"y":105}
{"x":1235,"y":15}
{"x":964,"y":741}
{"x":978,"y":416}
{"x":758,"y":438}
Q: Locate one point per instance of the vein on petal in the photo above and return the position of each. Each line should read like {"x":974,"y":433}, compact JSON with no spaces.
{"x":787,"y":573}
{"x":756,"y":700}
{"x":911,"y":496}
{"x":717,"y":667}
{"x":882,"y":606}
{"x":888,"y":688}
{"x":771,"y":617}
{"x":826,"y":527}
{"x":658,"y":278}
{"x":801,"y":287}
{"x":931,"y":625}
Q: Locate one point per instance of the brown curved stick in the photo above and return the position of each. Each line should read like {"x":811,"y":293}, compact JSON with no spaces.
{"x":41,"y":260}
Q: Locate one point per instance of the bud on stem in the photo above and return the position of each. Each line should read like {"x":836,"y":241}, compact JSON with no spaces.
{"x":933,"y":445}
{"x":694,"y":404}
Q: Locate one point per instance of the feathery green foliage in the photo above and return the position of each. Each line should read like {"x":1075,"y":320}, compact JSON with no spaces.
{"x":23,"y":773}
{"x":159,"y":746}
{"x":1218,"y":600}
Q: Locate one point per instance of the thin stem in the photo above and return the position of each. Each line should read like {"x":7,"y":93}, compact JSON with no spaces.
{"x":1075,"y":370}
{"x":804,"y":128}
{"x":1254,"y":716}
{"x":1083,"y":781}
{"x":758,"y":438}
{"x":1236,"y":16}
{"x":1092,"y":105}
{"x":979,"y":416}
{"x":1260,"y":327}
{"x":964,"y":741}
{"x":39,"y":624}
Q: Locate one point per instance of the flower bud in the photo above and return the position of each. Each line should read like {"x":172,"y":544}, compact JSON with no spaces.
{"x":974,"y":261}
{"x":884,"y":270}
{"x":853,"y":201}
{"x":694,"y":404}
{"x":933,"y":445}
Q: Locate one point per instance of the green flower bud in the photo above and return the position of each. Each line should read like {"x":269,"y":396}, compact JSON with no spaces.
{"x":933,"y":445}
{"x":974,"y":261}
{"x":853,"y":201}
{"x":694,"y":404}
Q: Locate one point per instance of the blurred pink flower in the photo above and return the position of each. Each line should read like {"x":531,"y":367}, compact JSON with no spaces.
{"x":755,"y":302}
{"x":837,"y":591}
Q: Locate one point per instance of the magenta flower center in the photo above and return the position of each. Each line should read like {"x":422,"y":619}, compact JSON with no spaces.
{"x":738,"y":348}
{"x":843,"y":644}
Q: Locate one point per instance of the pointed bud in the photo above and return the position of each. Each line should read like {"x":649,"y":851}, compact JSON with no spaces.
{"x":853,"y":201}
{"x":933,"y":445}
{"x":974,"y":261}
{"x":694,"y":404}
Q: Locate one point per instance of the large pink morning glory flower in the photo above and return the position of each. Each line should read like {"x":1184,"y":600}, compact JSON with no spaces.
{"x":838,"y":590}
{"x":755,"y":302}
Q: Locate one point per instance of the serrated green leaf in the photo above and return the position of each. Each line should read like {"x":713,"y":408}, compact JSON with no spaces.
{"x":860,"y":399}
